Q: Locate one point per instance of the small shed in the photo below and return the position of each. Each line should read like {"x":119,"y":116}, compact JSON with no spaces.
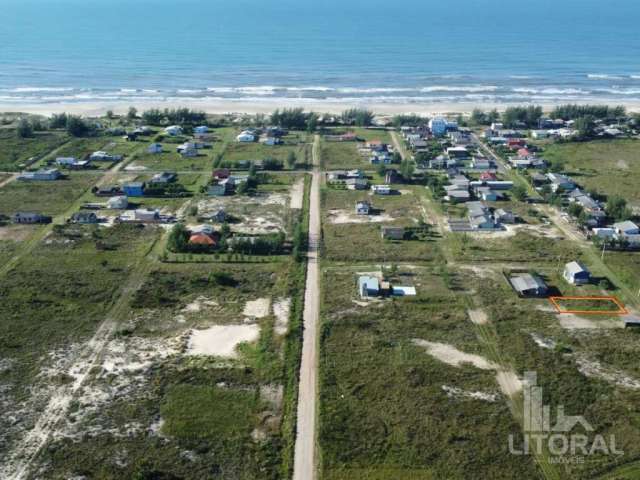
{"x":576,"y":273}
{"x":363,"y":208}
{"x":133,"y":189}
{"x":368,"y":286}
{"x":529,"y":285}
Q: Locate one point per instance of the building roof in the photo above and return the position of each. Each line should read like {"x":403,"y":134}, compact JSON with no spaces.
{"x":575,"y":267}
{"x":201,"y":239}
{"x":625,"y":226}
{"x":526,"y":281}
{"x":371,"y":283}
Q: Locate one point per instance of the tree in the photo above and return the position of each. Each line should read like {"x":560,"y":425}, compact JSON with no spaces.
{"x":406,"y":169}
{"x":76,"y":126}
{"x":110,"y":114}
{"x":292,"y":118}
{"x":24,"y":130}
{"x":59,"y":120}
{"x":478,"y":117}
{"x":575,"y":210}
{"x":132,"y":114}
{"x":357,"y":116}
{"x":519,"y":192}
{"x":617,"y":209}
{"x":178,"y":238}
{"x":312,"y":122}
{"x":291,"y":160}
{"x":585,"y":126}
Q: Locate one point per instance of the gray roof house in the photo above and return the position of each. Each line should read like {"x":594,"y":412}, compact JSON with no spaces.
{"x":368,"y":286}
{"x":627,"y":228}
{"x":84,"y":217}
{"x":576,"y":273}
{"x":528,"y":285}
{"x":392,"y":233}
{"x":363,"y":208}
{"x":30,"y":218}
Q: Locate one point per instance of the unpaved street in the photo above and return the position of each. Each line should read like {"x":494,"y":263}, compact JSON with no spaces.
{"x":305,"y":456}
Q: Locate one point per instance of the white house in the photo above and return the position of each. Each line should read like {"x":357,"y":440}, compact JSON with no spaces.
{"x":146,"y":215}
{"x":626,"y":228}
{"x":41,"y":175}
{"x":201,"y":129}
{"x":362,"y":208}
{"x":381,"y":189}
{"x":118,"y":203}
{"x":173,"y":130}
{"x":154,"y":148}
{"x":246,"y":138}
{"x":576,"y":273}
{"x":66,"y":161}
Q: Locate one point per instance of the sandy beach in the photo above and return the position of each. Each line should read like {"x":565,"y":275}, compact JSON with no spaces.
{"x":96,"y":109}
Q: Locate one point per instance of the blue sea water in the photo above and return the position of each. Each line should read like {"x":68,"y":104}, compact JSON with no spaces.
{"x":405,"y":51}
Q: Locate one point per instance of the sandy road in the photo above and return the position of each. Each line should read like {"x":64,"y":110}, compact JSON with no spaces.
{"x":304,"y":467}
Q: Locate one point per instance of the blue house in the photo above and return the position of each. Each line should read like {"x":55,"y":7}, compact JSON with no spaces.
{"x":133,"y":189}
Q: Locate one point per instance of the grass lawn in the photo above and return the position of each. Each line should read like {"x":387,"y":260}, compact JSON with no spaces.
{"x":169,"y":159}
{"x":15,"y":151}
{"x":610,"y":167}
{"x":47,"y":197}
{"x":296,"y":142}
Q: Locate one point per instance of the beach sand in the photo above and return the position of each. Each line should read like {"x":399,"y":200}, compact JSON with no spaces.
{"x":96,"y":109}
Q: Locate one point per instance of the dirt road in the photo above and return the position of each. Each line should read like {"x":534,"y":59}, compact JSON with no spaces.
{"x":304,"y":467}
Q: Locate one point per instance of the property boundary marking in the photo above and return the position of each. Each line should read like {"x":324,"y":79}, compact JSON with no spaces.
{"x":555,"y":301}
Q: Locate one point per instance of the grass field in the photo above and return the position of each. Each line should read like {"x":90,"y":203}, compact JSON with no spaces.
{"x":47,"y":197}
{"x":610,"y":167}
{"x":296,"y":142}
{"x":15,"y":151}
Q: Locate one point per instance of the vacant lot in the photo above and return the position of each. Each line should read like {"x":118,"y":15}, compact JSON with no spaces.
{"x":48,"y":197}
{"x":296,"y":142}
{"x":16,"y":151}
{"x":610,"y":167}
{"x":391,"y":409}
{"x":347,"y":236}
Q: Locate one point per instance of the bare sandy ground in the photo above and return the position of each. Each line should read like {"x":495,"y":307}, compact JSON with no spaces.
{"x":281,"y":310}
{"x":297,"y":194}
{"x":479,"y":317}
{"x":269,"y":105}
{"x":342,"y":217}
{"x":221,"y":340}
{"x":258,"y":308}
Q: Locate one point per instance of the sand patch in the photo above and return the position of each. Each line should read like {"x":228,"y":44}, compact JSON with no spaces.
{"x":257,"y":308}
{"x":297,"y":194}
{"x":543,"y":342}
{"x":455,"y":392}
{"x":479,"y":317}
{"x":199,"y":304}
{"x":509,"y":382}
{"x":571,"y":321}
{"x":593,"y":368}
{"x":622,"y":165}
{"x":452,"y":356}
{"x":221,"y":340}
{"x":338,"y":217}
{"x":281,"y":310}
{"x":134,"y":168}
{"x":16,"y":233}
{"x":480,"y":272}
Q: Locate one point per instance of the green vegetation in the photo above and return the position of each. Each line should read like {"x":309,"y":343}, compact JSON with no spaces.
{"x":16,"y":152}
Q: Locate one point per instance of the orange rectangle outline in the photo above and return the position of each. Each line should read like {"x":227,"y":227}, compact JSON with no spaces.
{"x":621,"y":308}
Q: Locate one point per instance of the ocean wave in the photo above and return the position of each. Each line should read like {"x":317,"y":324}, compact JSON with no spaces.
{"x":605,"y":76}
{"x":37,"y":89}
{"x":451,"y":88}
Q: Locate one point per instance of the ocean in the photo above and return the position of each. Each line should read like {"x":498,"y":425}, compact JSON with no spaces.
{"x":391,"y":51}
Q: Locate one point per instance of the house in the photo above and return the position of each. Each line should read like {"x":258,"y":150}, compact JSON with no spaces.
{"x":438,"y":126}
{"x":30,"y":218}
{"x":481,"y":163}
{"x":576,"y":273}
{"x":486,"y":194}
{"x":221,"y":173}
{"x":202,"y":238}
{"x":392,"y":233}
{"x":381,"y":189}
{"x":101,"y":156}
{"x":480,"y":216}
{"x":154,"y":148}
{"x":47,"y":174}
{"x":146,"y":215}
{"x":528,"y":285}
{"x":561,"y":182}
{"x":539,"y":179}
{"x":356,"y":183}
{"x":201,"y":129}
{"x":164,"y":177}
{"x":400,"y":291}
{"x":143,"y":130}
{"x":539,"y":134}
{"x":118,"y":203}
{"x":219,"y":216}
{"x":363,"y":208}
{"x":504,"y":216}
{"x":488,"y":176}
{"x":219,"y":189}
{"x":84,"y":217}
{"x":458,"y":196}
{"x":375,"y":146}
{"x":173,"y":130}
{"x":604,"y":232}
{"x":626,"y":228}
{"x":187,"y":149}
{"x":457,"y":152}
{"x":391,"y":176}
{"x":245,"y":138}
{"x":492,"y":184}
{"x":368,"y":286}
{"x":133,"y":189}
{"x":271,"y":141}
{"x":72,"y":163}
